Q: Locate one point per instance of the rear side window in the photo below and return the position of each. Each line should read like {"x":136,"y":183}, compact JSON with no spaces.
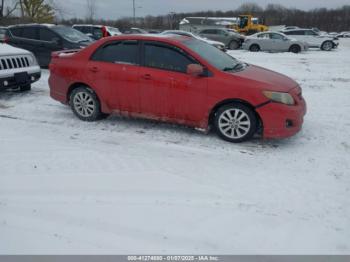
{"x":46,"y":35}
{"x":118,"y":52}
{"x":29,"y":32}
{"x":166,"y":57}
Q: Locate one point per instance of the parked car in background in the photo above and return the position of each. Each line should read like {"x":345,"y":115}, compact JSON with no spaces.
{"x":291,"y":27}
{"x":43,"y":39}
{"x":217,"y":44}
{"x":344,"y":35}
{"x":231,"y":39}
{"x":312,"y":38}
{"x":3,"y":33}
{"x":180,"y":80}
{"x":96,"y":32}
{"x":273,"y":42}
{"x":18,"y":68}
{"x":135,"y":30}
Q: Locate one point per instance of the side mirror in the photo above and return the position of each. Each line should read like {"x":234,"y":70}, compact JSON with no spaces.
{"x":195,"y":69}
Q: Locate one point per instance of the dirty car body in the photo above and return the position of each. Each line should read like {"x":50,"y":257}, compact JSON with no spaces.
{"x":176,"y":79}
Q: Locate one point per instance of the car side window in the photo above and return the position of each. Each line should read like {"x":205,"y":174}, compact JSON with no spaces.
{"x":276,"y":36}
{"x":46,"y":35}
{"x":309,"y":32}
{"x":166,"y":57}
{"x":263,"y":36}
{"x":126,"y":52}
{"x":97,"y":32}
{"x":29,"y":33}
{"x":209,"y":32}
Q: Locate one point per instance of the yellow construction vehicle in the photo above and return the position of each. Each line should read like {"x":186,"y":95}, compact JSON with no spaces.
{"x":248,"y":25}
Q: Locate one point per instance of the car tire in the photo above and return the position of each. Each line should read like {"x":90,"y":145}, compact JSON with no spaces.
{"x":85,"y":104}
{"x":235,"y":122}
{"x":233,"y":45}
{"x":327,"y":46}
{"x":295,"y":49}
{"x":254,"y":48}
{"x":25,"y":88}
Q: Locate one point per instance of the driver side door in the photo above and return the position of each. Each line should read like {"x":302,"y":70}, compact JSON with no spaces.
{"x":167,"y":92}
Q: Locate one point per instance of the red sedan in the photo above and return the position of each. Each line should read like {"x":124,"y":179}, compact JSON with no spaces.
{"x":179,"y":80}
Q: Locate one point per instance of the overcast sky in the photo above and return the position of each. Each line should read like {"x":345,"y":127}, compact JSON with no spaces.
{"x":112,"y":9}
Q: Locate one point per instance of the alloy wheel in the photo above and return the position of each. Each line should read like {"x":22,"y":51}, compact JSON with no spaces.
{"x":234,"y":123}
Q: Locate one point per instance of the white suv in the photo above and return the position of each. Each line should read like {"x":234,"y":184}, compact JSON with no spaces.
{"x":312,"y":38}
{"x":18,"y":68}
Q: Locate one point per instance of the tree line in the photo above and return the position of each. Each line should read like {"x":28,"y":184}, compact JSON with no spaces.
{"x":47,"y":11}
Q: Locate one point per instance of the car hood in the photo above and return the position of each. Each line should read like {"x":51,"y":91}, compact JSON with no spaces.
{"x":266,"y":79}
{"x":6,"y":49}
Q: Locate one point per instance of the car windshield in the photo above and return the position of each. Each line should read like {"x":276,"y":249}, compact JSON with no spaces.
{"x":71,"y":34}
{"x":213,"y":55}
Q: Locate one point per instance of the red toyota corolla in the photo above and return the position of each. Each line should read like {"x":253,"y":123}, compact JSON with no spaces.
{"x":180,"y":80}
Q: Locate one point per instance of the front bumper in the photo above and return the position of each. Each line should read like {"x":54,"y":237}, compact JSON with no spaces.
{"x":281,"y":121}
{"x":13,"y":82}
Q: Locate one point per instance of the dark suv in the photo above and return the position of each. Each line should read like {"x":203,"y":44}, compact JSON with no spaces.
{"x":42,"y":40}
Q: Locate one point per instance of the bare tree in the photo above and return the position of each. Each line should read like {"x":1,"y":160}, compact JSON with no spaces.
{"x":37,"y":11}
{"x":90,"y":10}
{"x":7,"y":10}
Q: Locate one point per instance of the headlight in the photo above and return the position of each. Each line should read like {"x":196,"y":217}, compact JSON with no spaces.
{"x":279,"y":97}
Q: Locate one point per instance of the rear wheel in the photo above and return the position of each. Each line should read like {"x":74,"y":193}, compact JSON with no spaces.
{"x":327,"y":46}
{"x":85,"y":104}
{"x":233,"y":45}
{"x":295,"y":49}
{"x":254,"y":48}
{"x":235,"y":122}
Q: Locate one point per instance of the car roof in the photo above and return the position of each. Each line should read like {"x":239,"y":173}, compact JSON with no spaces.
{"x":297,"y":29}
{"x":87,"y":25}
{"x":153,"y":37}
{"x":29,"y":25}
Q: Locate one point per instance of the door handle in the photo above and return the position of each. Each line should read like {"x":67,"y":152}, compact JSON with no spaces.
{"x":147,"y":77}
{"x":94,"y":69}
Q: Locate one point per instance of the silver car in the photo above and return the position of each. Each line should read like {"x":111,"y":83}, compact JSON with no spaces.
{"x":217,"y":44}
{"x":273,"y":42}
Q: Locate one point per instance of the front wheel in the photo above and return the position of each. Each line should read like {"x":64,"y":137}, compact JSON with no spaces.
{"x":295,"y":49}
{"x":235,"y":123}
{"x":85,"y":104}
{"x":254,"y":48}
{"x":233,"y":45}
{"x":327,"y":46}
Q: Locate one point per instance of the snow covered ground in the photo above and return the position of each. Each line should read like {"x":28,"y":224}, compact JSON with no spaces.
{"x":124,"y":186}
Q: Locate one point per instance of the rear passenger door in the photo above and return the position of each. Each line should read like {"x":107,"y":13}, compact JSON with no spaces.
{"x":48,"y":43}
{"x":113,"y":72}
